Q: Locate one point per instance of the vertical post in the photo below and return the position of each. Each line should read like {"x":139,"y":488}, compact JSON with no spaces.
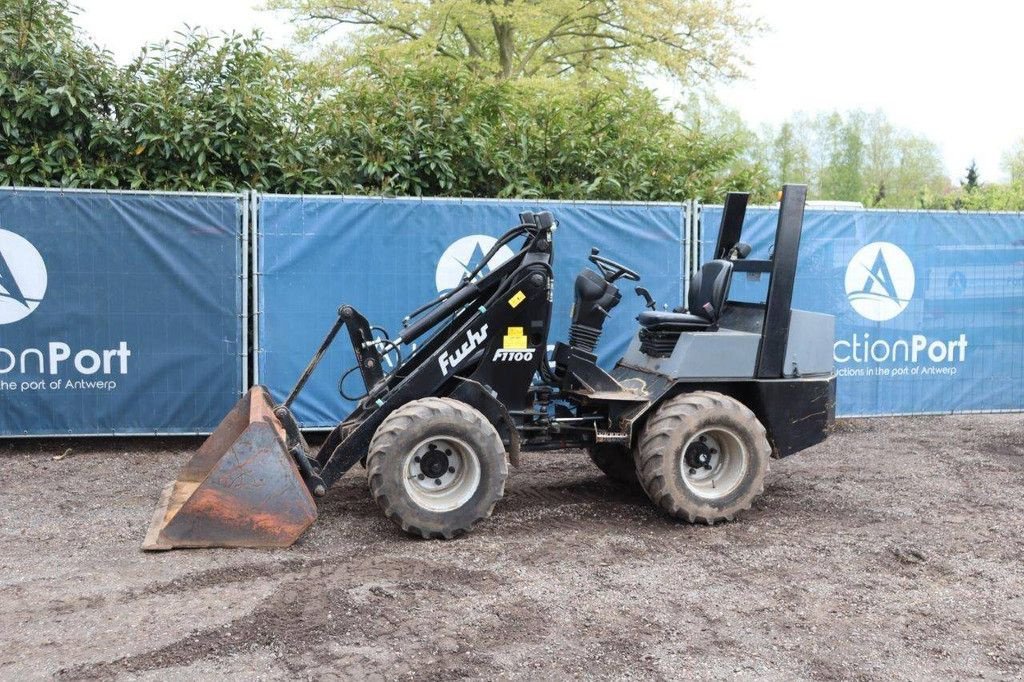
{"x":695,"y":257}
{"x":254,"y":205}
{"x":698,"y":234}
{"x":684,"y":256}
{"x":244,"y":321}
{"x":693,"y":240}
{"x":775,"y":336}
{"x":731,"y":228}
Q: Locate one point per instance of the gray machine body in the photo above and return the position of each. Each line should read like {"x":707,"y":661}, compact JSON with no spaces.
{"x":730,"y":352}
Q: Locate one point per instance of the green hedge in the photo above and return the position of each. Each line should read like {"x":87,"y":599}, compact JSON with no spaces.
{"x":229,"y":113}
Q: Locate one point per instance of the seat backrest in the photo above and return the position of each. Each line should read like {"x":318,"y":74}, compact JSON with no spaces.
{"x":709,"y":288}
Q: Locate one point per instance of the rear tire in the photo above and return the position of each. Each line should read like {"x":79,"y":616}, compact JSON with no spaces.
{"x":703,"y":457}
{"x":616,"y":461}
{"x":436,"y":467}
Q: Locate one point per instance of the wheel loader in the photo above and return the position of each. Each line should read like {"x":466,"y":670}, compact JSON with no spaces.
{"x":706,"y":394}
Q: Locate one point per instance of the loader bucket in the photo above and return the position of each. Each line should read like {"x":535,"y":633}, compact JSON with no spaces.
{"x":241,"y":488}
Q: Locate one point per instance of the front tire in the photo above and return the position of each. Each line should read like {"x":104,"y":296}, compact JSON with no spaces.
{"x":703,"y":457}
{"x":436,"y":467}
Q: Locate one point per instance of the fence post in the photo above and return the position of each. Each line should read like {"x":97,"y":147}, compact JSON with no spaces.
{"x":254,"y":207}
{"x":244,"y":198}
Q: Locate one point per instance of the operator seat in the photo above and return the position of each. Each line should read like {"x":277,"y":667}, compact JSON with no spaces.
{"x":708,"y":290}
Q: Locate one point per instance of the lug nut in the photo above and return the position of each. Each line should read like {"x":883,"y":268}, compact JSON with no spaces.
{"x":693,"y":471}
{"x":416,"y":459}
{"x":451,"y":470}
{"x":421,"y":477}
{"x":437,"y":481}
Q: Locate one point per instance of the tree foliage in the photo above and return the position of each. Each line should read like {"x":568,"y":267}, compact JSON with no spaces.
{"x":974,"y":195}
{"x":685,"y":39}
{"x":229,"y":113}
{"x":437,"y":131}
{"x":56,"y":92}
{"x":217,"y":113}
{"x":1013,"y":162}
{"x":856,"y":156}
{"x":198,"y":113}
{"x":971,"y":181}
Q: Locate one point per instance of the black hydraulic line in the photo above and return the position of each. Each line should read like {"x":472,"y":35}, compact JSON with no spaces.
{"x":502,"y":241}
{"x":458,"y":297}
{"x":388,"y":345}
{"x":341,"y":386}
{"x":417,"y":328}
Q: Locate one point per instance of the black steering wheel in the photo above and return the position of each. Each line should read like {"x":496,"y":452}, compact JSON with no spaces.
{"x":610,"y":269}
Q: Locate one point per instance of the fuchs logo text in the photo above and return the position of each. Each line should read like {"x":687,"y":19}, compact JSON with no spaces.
{"x":449,"y":361}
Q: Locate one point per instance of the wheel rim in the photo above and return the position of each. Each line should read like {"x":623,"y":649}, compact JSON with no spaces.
{"x":714,"y":463}
{"x":441,"y":474}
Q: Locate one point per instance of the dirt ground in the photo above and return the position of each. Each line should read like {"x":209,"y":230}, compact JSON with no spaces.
{"x":892,"y":551}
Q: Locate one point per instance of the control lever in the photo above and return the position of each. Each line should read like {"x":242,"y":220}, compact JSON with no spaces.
{"x":738,"y":252}
{"x":648,"y":300}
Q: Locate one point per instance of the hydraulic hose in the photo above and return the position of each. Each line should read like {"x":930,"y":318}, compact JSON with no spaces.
{"x":502,"y":241}
{"x":453,"y":303}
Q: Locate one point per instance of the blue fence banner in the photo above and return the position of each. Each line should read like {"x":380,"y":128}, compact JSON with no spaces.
{"x":387,"y":256}
{"x":929,"y":305}
{"x":120,"y":313}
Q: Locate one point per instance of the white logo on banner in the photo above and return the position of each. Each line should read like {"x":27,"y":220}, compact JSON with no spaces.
{"x":880,"y":281}
{"x":22,"y":277}
{"x":465,"y":254}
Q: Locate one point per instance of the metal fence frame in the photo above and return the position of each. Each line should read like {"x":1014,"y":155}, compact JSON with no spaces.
{"x":249,"y":208}
{"x":254,"y":267}
{"x":699,"y":242}
{"x":689,"y":257}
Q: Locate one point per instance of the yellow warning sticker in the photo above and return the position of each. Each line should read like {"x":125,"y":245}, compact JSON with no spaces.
{"x":516,"y":299}
{"x":514,"y":339}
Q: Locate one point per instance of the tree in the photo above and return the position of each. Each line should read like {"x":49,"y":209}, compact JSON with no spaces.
{"x":55,"y":90}
{"x":790,"y":159}
{"x":970,"y":182}
{"x":1013,"y":162}
{"x":899,"y":167}
{"x":685,"y":39}
{"x":435,"y":131}
{"x":227,"y":112}
{"x":855,"y":156}
{"x":219,"y":113}
{"x":841,"y":177}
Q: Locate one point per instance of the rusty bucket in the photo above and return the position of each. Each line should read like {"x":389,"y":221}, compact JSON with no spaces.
{"x":241,"y":488}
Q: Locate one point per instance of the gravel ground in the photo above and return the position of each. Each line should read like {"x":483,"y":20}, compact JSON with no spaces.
{"x":892,"y":551}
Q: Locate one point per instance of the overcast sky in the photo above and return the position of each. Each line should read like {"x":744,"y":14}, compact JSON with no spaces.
{"x":947,"y":69}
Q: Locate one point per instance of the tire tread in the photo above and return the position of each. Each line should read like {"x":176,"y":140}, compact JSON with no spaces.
{"x":384,"y":442}
{"x":673,"y":416}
